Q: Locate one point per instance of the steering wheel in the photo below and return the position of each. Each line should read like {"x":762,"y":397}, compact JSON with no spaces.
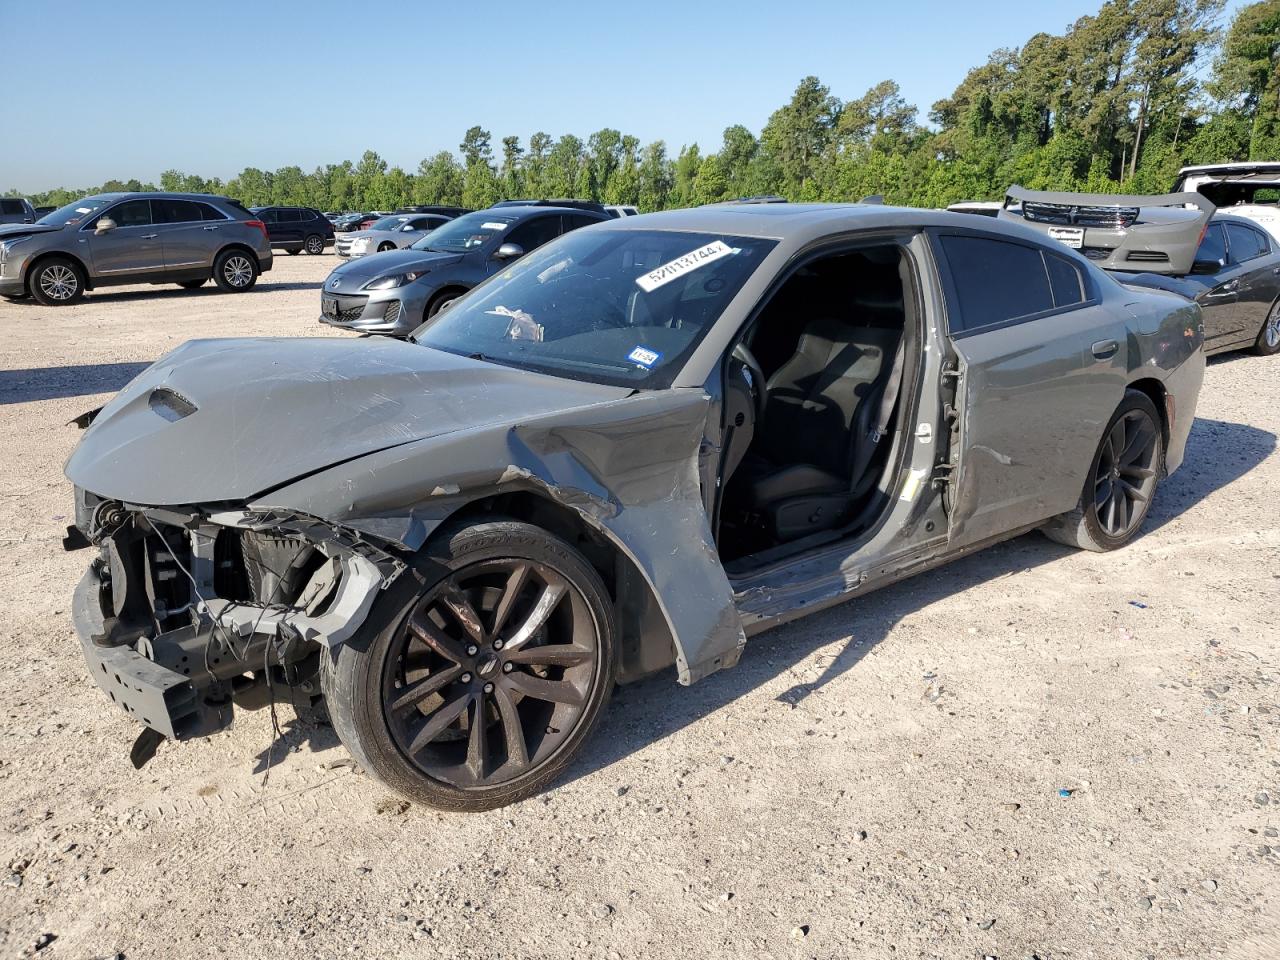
{"x":744,"y":356}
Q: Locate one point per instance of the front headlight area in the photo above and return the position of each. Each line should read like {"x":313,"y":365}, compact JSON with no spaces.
{"x":394,"y":280}
{"x":240,"y":603}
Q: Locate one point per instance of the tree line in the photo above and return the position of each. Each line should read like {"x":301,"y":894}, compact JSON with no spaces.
{"x":1116,"y":103}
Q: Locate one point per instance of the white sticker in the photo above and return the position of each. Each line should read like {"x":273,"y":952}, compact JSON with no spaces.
{"x":678,"y":267}
{"x":644,"y":357}
{"x":493,"y":226}
{"x":911,"y":486}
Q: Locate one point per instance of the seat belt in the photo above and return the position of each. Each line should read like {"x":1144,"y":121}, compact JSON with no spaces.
{"x":888,"y":400}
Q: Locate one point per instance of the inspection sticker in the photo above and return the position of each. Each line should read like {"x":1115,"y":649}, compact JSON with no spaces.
{"x":678,"y":267}
{"x":493,"y":226}
{"x":644,"y":357}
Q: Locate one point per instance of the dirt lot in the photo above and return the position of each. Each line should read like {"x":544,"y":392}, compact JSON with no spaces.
{"x":883,"y":780}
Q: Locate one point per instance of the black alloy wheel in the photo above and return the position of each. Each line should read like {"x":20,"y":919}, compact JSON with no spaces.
{"x":1125,"y":477}
{"x":478,"y":675}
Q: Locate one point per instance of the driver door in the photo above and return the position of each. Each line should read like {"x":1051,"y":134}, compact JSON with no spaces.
{"x":528,"y":235}
{"x":132,"y":247}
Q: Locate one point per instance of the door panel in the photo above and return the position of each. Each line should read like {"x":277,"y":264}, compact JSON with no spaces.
{"x":134,"y":246}
{"x":188,"y":241}
{"x":1034,"y":400}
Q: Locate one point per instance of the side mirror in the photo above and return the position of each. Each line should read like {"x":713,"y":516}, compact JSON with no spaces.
{"x":508,"y":251}
{"x":1206,"y":267}
{"x":105,"y":225}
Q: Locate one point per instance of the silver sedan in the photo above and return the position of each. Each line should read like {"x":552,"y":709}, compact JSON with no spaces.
{"x":390,"y":233}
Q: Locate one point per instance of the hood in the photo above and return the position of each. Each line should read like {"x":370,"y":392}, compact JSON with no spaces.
{"x":390,"y":261}
{"x":8,"y":230}
{"x":224,"y":420}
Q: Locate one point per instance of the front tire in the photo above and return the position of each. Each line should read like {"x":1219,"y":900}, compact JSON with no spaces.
{"x":193,"y":284}
{"x":57,"y":282}
{"x":1268,"y":342}
{"x":384,"y":247}
{"x":478,"y":674}
{"x":235,"y":271}
{"x":314,"y":245}
{"x":293,"y":251}
{"x":1122,"y":480}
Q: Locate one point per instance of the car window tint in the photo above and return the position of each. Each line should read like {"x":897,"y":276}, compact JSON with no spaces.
{"x":12,"y":206}
{"x":1064,"y":281}
{"x":1214,"y":245}
{"x":269,"y":216}
{"x":994,"y":281}
{"x":289,"y":216}
{"x":534,"y":233}
{"x":131,"y":213}
{"x":168,"y":210}
{"x":420,"y":223}
{"x":576,"y":220}
{"x":1245,"y":243}
{"x":210,"y":212}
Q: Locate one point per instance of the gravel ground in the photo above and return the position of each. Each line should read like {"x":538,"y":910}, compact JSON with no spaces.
{"x":1031,"y":752}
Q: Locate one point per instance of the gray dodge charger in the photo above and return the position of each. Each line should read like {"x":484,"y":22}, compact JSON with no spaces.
{"x":626,"y":452}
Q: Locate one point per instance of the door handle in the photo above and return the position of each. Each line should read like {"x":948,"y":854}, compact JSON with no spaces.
{"x":1105,"y":349}
{"x":209,"y":228}
{"x":149,"y":236}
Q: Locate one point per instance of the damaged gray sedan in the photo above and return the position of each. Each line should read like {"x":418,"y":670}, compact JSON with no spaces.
{"x":628,"y":451}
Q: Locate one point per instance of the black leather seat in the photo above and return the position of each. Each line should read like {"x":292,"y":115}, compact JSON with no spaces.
{"x":821,"y":403}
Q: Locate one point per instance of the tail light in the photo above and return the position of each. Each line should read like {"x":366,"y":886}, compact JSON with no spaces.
{"x":261,"y":226}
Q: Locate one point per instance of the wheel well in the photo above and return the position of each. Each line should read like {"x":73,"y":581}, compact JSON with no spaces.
{"x":1159,"y":396}
{"x":646,"y":642}
{"x":446,"y":293}
{"x":84,"y":271}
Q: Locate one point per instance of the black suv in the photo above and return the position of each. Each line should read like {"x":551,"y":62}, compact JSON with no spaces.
{"x":296,"y":228}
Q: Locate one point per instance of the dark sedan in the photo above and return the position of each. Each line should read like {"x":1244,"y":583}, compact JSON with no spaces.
{"x":1236,"y":281}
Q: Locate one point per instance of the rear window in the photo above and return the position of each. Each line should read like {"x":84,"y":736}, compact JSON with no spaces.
{"x":175,"y":211}
{"x":994,"y":282}
{"x":1064,"y":281}
{"x":1245,"y":242}
{"x":210,"y":212}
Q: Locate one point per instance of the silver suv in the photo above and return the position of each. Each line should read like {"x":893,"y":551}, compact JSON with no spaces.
{"x":116,"y":238}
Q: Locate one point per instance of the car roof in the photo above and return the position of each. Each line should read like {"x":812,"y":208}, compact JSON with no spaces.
{"x":525,"y":211}
{"x":801,"y":221}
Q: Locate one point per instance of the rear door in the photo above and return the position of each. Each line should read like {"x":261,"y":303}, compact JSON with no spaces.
{"x":290,"y":226}
{"x":133,"y":247}
{"x":1218,"y":302}
{"x":1256,"y":272}
{"x":1041,"y":366}
{"x":181,"y":226}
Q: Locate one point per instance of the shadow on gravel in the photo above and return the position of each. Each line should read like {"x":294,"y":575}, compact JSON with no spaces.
{"x":108,"y":295}
{"x":51,"y":383}
{"x":644,"y":713}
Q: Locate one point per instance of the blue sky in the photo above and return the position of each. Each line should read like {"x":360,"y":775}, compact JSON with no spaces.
{"x":132,"y":87}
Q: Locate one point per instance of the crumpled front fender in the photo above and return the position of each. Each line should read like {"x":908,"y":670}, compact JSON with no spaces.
{"x":628,"y":468}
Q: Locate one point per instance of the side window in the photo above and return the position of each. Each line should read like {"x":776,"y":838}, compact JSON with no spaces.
{"x":269,"y":216}
{"x":12,"y":206}
{"x":210,"y":212}
{"x":175,"y":211}
{"x":534,"y":233}
{"x":575,"y":220}
{"x":1064,"y":281}
{"x":994,"y":281}
{"x":131,"y":213}
{"x":288,"y":215}
{"x":1214,"y":245}
{"x":420,"y":223}
{"x":1244,"y":242}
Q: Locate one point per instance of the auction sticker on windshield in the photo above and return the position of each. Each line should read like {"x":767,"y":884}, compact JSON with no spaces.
{"x":678,"y":267}
{"x":644,"y":357}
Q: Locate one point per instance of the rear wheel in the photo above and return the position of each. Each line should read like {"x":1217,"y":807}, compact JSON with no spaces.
{"x":56,"y":282}
{"x":315,"y":245}
{"x":235,"y":271}
{"x":480,"y":673}
{"x":1122,"y":481}
{"x":1268,"y":341}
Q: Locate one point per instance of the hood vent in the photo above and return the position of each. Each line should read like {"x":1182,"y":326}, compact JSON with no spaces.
{"x":170,"y":405}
